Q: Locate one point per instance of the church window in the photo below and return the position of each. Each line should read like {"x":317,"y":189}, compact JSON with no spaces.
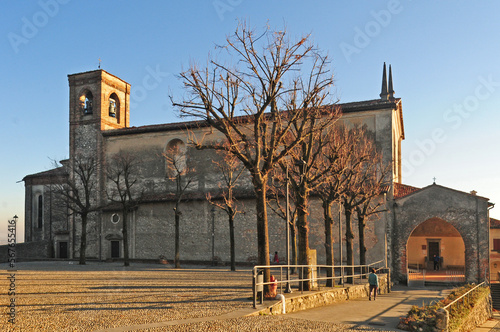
{"x":88,"y":106}
{"x":115,"y":218}
{"x":496,"y":244}
{"x":175,"y":156}
{"x":114,"y":106}
{"x":39,"y":213}
{"x":87,"y":102}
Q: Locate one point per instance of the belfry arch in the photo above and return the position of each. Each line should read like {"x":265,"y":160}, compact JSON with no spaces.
{"x":435,"y":240}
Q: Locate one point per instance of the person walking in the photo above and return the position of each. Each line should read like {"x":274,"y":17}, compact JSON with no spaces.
{"x":373,"y":282}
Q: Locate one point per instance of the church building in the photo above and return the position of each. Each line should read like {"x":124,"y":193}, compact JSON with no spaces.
{"x":415,"y":225}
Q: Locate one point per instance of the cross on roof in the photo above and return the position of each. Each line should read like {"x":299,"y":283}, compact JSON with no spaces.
{"x":434,"y":178}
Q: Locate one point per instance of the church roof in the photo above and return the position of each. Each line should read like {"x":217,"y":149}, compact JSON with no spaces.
{"x":402,"y":190}
{"x":56,"y":172}
{"x":352,"y":107}
{"x":494,"y":223}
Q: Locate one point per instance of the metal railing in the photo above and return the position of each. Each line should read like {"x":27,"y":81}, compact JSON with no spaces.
{"x":315,"y":274}
{"x":415,"y":277}
{"x":455,"y":276}
{"x":462,"y":300}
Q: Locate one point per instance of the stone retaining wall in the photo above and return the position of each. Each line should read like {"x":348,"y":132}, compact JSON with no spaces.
{"x":324,"y":297}
{"x":27,"y":251}
{"x":479,"y":314}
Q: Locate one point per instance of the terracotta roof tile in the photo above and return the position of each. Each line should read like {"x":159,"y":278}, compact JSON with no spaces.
{"x":402,"y":190}
{"x":494,"y":223}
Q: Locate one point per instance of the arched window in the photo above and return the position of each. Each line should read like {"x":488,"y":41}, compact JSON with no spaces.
{"x":114,"y":106}
{"x":175,"y":155}
{"x":86,"y":102}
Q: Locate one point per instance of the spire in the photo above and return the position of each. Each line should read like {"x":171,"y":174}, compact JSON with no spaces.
{"x":383,"y":93}
{"x":391,"y":90}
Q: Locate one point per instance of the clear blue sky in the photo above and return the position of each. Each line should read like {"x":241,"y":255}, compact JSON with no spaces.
{"x":445,"y":58}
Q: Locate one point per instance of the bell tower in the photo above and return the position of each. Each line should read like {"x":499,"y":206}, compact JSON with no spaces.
{"x":98,"y":101}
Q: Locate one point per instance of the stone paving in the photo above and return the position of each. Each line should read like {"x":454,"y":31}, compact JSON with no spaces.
{"x":65,"y":296}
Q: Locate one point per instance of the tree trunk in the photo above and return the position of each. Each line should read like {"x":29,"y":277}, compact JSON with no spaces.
{"x":349,"y":236}
{"x":231,"y":239}
{"x":362,"y":246}
{"x":177,"y":238}
{"x":262,"y":229}
{"x":303,"y":232}
{"x":125,"y":238}
{"x":83,"y":239}
{"x":327,"y":214}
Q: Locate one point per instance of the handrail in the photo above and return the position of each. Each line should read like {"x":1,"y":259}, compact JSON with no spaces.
{"x":449,"y":304}
{"x":257,"y":286}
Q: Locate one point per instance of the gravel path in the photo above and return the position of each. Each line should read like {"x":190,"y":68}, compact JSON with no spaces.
{"x":57,"y":296}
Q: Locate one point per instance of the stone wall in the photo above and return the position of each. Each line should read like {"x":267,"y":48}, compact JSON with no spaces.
{"x":28,"y":251}
{"x":152,"y":233}
{"x":480,"y":313}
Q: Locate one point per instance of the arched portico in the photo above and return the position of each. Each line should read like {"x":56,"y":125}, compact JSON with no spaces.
{"x":436,"y":240}
{"x":436,"y":206}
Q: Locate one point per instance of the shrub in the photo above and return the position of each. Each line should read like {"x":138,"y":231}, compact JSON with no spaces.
{"x":424,"y":318}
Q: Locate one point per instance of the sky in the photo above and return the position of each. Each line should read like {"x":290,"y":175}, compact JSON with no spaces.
{"x":445,"y":59}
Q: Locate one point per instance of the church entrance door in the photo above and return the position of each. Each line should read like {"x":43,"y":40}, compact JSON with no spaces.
{"x":433,"y":250}
{"x":63,"y":249}
{"x":115,"y":249}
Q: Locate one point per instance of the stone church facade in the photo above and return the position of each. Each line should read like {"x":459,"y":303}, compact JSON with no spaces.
{"x":99,"y":118}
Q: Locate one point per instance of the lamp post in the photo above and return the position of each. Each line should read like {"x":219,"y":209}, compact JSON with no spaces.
{"x":213,"y":235}
{"x":340,"y":243}
{"x":288,"y":289}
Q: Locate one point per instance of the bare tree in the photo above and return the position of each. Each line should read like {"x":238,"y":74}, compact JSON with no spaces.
{"x":336,"y":155}
{"x":358,"y":172}
{"x":375,"y":184}
{"x":265,"y":86}
{"x":277,"y":203}
{"x":123,"y":172}
{"x":307,"y":173}
{"x":79,"y":192}
{"x":231,"y":170}
{"x":182,"y":176}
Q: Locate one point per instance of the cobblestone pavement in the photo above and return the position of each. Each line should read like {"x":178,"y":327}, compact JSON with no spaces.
{"x":59,"y":296}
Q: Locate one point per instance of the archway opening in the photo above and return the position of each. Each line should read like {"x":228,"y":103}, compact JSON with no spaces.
{"x":435,"y":245}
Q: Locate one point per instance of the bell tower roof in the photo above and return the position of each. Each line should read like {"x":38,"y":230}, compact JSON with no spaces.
{"x":391,"y":89}
{"x":387,"y":91}
{"x":383,"y":93}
